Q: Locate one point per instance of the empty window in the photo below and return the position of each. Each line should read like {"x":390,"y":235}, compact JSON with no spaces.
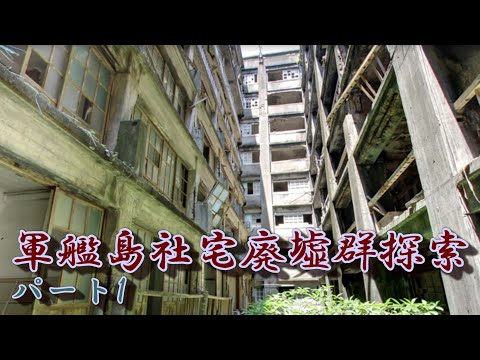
{"x":180,"y":102}
{"x":167,"y":170}
{"x":45,"y":65}
{"x":249,"y":79}
{"x":251,"y":102}
{"x":287,"y":124}
{"x":181,"y":185}
{"x":252,"y":188}
{"x":307,"y":218}
{"x":159,"y":165}
{"x":37,"y":68}
{"x":255,"y":157}
{"x":279,"y":220}
{"x":290,"y":74}
{"x":280,"y":186}
{"x":206,"y":150}
{"x":283,"y":154}
{"x":87,"y":87}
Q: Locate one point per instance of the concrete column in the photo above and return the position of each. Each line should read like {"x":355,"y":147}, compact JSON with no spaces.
{"x":441,"y":152}
{"x":361,"y":210}
{"x":329,"y":173}
{"x":122,"y":101}
{"x":265,"y":161}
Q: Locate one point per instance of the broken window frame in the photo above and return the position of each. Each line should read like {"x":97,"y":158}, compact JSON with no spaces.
{"x":24,"y":60}
{"x":99,"y":85}
{"x":167,"y":171}
{"x":217,"y":197}
{"x":85,"y":278}
{"x":181,"y":185}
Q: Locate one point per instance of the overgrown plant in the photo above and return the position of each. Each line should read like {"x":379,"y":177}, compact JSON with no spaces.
{"x":306,"y":301}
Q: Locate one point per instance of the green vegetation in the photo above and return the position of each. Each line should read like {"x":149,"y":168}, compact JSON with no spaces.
{"x":305,"y":301}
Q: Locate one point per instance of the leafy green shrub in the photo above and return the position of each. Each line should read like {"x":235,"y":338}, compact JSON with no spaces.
{"x":306,"y":301}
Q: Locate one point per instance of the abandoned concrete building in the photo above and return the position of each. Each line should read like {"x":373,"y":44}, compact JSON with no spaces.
{"x":97,"y":138}
{"x":275,"y":167}
{"x":190,"y":138}
{"x":393,"y":142}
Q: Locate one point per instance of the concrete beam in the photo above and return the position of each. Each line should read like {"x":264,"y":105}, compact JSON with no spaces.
{"x":381,"y":122}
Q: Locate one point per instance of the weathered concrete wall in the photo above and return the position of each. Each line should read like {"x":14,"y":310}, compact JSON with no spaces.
{"x":288,"y":166}
{"x":285,"y":109}
{"x":288,"y":137}
{"x":43,"y":144}
{"x":441,"y":153}
{"x":286,"y":199}
{"x":284,"y":84}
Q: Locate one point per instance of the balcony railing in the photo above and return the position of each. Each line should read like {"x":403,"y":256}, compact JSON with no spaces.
{"x":295,"y":108}
{"x":284,"y":84}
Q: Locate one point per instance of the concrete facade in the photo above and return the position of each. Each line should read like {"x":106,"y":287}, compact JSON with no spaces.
{"x":275,"y":167}
{"x":97,"y":138}
{"x":394,"y":144}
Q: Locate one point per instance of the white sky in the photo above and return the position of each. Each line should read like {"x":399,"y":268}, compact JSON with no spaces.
{"x":252,"y":50}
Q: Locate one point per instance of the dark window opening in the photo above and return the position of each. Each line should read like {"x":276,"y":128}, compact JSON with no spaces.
{"x":283,"y":98}
{"x":202,"y":193}
{"x":206,"y":151}
{"x":85,"y":109}
{"x":36,"y":69}
{"x":307,"y":218}
{"x":250,"y":188}
{"x":287,"y":124}
{"x":279,"y":220}
{"x":289,"y":154}
{"x":254,"y":129}
{"x":275,"y":75}
{"x":280,"y":186}
{"x":255,"y":157}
